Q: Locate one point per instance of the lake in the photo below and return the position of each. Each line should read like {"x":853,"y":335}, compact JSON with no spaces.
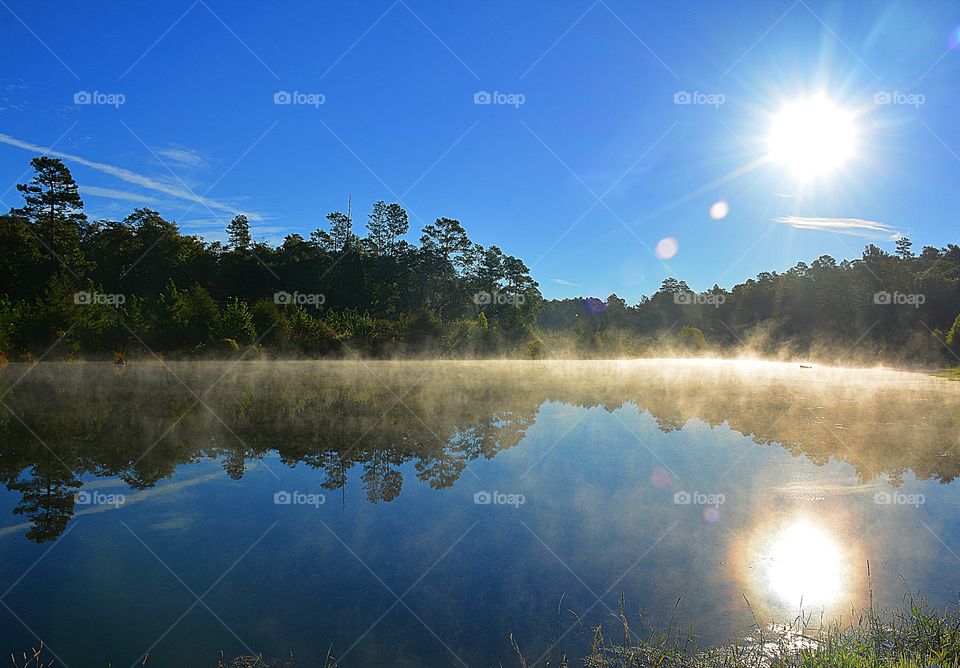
{"x":418,"y":514}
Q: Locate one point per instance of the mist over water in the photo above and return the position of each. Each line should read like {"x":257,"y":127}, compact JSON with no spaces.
{"x":417,"y":513}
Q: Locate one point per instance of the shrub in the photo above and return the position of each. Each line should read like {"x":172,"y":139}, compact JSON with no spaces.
{"x":236,"y":323}
{"x":691,"y":338}
{"x":423,"y":327}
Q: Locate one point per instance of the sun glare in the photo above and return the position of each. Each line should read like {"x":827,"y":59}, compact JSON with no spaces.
{"x":805,"y":564}
{"x":812,"y":137}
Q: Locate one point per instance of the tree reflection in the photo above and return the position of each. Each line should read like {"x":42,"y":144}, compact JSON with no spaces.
{"x":140,"y":423}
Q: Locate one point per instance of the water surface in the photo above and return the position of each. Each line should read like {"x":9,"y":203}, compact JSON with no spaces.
{"x":419,"y":513}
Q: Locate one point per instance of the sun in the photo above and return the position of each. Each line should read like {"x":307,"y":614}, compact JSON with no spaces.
{"x":812,"y":137}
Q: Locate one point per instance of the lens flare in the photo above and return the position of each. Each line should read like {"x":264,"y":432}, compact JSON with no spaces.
{"x":594,"y":305}
{"x":719,"y":210}
{"x":953,"y":41}
{"x":667,"y":248}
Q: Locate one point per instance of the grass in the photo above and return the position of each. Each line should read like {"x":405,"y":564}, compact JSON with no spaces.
{"x":32,"y":659}
{"x":951,"y":374}
{"x":259,"y":662}
{"x":916,"y":636}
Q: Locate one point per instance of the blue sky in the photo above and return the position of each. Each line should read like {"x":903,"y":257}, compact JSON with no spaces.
{"x":584,"y":168}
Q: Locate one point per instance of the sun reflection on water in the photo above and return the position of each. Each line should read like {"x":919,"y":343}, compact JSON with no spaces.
{"x":789,"y":561}
{"x":804,"y":563}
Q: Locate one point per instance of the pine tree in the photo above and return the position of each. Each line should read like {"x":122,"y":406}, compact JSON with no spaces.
{"x":378,"y":225}
{"x":446,"y":237}
{"x":341,"y":231}
{"x":55,"y":212}
{"x":904,"y":246}
{"x":238,"y":234}
{"x":397,"y":223}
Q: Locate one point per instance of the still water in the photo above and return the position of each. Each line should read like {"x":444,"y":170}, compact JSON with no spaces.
{"x":418,"y":514}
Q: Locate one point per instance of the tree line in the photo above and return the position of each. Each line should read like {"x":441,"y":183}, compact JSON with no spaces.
{"x":139,"y":285}
{"x":901,"y":307}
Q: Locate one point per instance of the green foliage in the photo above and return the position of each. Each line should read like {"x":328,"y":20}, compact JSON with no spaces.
{"x":953,"y":337}
{"x":338,"y":239}
{"x":423,"y":327}
{"x":183,"y":294}
{"x":21,"y":256}
{"x":534,"y":348}
{"x":450,"y":294}
{"x":238,"y":234}
{"x":236,"y":323}
{"x":226,"y":346}
{"x":184,"y":318}
{"x":308,"y":334}
{"x":378,"y":227}
{"x":54,"y":211}
{"x":691,"y":338}
{"x":269,"y":323}
{"x":352,"y":324}
{"x":7,"y":318}
{"x":856,"y":308}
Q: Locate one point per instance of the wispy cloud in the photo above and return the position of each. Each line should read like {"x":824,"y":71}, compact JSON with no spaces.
{"x":132,"y":177}
{"x":11,"y":95}
{"x":124,"y":195}
{"x":181,"y":157}
{"x":857,"y":227}
{"x":563,"y":281}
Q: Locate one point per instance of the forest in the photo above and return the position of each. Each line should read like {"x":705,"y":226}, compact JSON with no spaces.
{"x":72,"y":288}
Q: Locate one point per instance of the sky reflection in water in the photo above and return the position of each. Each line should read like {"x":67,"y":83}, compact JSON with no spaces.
{"x":479,"y":500}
